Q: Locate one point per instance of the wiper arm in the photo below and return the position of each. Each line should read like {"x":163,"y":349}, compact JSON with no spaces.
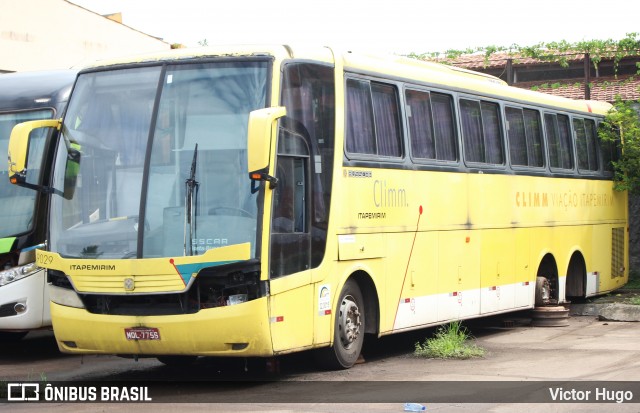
{"x":189,"y":207}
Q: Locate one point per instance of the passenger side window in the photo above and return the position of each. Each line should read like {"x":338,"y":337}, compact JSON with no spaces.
{"x":525,"y":137}
{"x":559,"y":138}
{"x":585,"y":136}
{"x":431,"y":125}
{"x":373,"y":119}
{"x":482,"y":132}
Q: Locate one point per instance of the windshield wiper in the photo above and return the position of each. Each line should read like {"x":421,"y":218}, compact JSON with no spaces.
{"x":189,"y":207}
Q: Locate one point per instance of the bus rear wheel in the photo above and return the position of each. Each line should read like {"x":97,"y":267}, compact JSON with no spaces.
{"x":348,"y":332}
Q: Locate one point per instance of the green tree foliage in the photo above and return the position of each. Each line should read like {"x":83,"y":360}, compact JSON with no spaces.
{"x":622,"y":127}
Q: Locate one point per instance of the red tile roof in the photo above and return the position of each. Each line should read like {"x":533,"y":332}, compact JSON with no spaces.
{"x":496,"y":60}
{"x":602,"y":88}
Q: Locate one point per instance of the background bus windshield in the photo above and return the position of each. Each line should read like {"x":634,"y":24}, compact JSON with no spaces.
{"x":17,"y":204}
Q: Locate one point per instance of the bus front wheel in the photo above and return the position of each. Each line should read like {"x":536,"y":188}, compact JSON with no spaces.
{"x":348,"y":332}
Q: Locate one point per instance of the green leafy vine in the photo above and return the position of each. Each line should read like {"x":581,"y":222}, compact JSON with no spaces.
{"x":560,"y":52}
{"x":621,"y":127}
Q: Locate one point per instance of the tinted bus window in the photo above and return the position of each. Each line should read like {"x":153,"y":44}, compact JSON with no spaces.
{"x":481,"y":129}
{"x":559,"y":138}
{"x":373,"y":119}
{"x":525,"y":137}
{"x":585,"y":130}
{"x":431,"y":125}
{"x":309,"y":95}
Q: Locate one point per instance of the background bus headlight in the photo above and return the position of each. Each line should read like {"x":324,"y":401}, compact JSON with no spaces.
{"x":17,"y":273}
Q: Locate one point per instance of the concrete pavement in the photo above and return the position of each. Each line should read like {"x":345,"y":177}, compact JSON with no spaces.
{"x":587,"y":350}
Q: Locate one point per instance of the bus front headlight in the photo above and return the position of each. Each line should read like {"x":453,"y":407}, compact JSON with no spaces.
{"x":65,"y":296}
{"x":17,"y":273}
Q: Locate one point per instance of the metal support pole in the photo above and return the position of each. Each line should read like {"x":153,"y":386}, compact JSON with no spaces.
{"x":587,"y":76}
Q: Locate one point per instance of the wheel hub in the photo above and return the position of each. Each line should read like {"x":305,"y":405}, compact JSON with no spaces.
{"x":349,"y":321}
{"x":546,"y":292}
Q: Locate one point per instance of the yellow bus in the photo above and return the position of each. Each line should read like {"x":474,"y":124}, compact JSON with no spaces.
{"x":257,"y":201}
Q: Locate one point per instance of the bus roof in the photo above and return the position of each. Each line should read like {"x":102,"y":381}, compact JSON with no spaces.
{"x":396,"y":67}
{"x":37,"y":89}
{"x":244,"y":50}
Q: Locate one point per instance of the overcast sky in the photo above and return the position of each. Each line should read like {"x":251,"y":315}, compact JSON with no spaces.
{"x":390,"y":26}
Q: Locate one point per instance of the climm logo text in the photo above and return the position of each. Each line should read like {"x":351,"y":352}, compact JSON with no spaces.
{"x":532,"y":199}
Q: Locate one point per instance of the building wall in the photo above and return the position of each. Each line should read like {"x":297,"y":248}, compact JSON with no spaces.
{"x":56,"y":34}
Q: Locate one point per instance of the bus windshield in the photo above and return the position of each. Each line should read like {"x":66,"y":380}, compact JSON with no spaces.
{"x":17,"y":204}
{"x":152,"y":162}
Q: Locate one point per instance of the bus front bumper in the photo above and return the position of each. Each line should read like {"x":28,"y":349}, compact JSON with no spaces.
{"x":239,"y":330}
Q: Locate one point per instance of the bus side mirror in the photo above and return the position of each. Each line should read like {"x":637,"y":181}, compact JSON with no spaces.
{"x":19,"y":148}
{"x":260,"y":137}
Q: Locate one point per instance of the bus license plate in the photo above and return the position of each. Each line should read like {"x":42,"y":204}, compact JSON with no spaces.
{"x":137,"y":333}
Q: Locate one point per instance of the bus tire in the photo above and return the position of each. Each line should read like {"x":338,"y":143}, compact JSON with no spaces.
{"x":348,"y":331}
{"x":543,"y":292}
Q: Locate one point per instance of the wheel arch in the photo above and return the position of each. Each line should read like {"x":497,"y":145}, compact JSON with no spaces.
{"x":343,"y":350}
{"x":576,"y":284}
{"x":371,"y":300}
{"x":370,"y":294}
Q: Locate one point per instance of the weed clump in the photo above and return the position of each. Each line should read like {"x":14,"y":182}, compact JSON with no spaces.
{"x":451,"y":341}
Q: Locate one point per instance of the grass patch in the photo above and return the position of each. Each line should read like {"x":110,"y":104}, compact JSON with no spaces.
{"x":450,"y":342}
{"x":635,"y":300}
{"x":634,"y":281}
